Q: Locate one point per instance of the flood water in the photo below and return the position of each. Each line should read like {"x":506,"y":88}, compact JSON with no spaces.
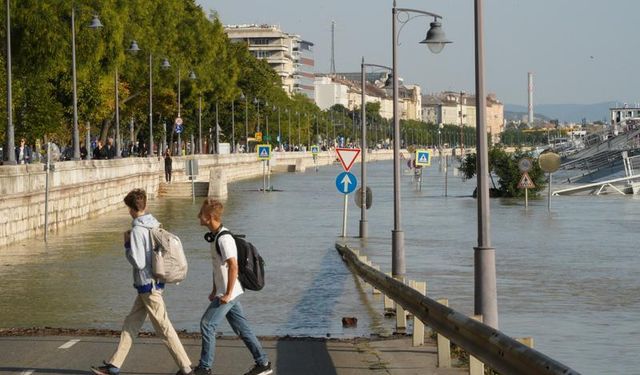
{"x":568,"y":277}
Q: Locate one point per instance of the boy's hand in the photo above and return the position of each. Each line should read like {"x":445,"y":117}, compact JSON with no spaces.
{"x":127,"y":238}
{"x":212,"y":296}
{"x":225,"y":299}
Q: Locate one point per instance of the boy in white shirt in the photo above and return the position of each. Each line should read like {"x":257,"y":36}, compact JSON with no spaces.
{"x":223,"y":297}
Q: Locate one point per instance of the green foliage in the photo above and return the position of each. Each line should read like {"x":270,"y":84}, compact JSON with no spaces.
{"x":505,"y":166}
{"x":174,"y":29}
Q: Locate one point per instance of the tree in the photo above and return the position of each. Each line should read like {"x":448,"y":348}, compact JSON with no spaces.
{"x":505,"y":166}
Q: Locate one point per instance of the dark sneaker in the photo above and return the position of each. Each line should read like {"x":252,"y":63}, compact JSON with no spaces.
{"x":261,"y":370}
{"x":106,"y":369}
{"x":180,"y":372}
{"x":199,"y":370}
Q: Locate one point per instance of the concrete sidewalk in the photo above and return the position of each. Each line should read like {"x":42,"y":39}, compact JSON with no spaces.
{"x":74,"y":355}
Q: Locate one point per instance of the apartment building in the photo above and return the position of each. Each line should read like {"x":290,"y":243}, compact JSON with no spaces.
{"x":454,"y":108}
{"x":345,"y":89}
{"x":290,"y":56}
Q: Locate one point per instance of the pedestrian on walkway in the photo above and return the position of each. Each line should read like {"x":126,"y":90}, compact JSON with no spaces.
{"x":23,"y":152}
{"x":224,"y":295}
{"x":167,"y":165}
{"x":149,"y":301}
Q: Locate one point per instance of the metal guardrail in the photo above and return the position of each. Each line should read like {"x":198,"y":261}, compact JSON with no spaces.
{"x":494,"y":348}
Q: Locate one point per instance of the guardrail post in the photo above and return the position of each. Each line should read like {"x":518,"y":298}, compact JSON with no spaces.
{"x":388,"y":302}
{"x":418,"y":325}
{"x":475,"y":366}
{"x":401,"y":318}
{"x":377,"y":268}
{"x":528,"y":341}
{"x":444,"y":345}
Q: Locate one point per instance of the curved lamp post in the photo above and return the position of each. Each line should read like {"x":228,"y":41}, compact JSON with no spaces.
{"x":9,"y":154}
{"x":485,"y":289}
{"x":95,"y":24}
{"x":436,"y":41}
{"x":363,"y":145}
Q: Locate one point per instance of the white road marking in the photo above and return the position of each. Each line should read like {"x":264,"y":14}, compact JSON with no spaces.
{"x":69,"y":344}
{"x":28,"y":372}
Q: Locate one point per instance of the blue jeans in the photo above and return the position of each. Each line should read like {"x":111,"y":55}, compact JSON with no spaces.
{"x":211,"y":321}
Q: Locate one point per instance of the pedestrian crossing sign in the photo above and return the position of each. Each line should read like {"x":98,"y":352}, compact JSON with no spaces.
{"x":315,"y":149}
{"x":423,"y":158}
{"x":264,"y":152}
{"x":526,"y":182}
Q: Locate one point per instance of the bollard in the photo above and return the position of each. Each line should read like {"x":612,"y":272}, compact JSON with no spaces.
{"x":475,"y":366}
{"x":388,"y":303}
{"x":444,"y":345}
{"x":418,"y":325}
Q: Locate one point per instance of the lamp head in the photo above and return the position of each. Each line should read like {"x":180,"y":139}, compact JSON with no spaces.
{"x":133,"y":48}
{"x":192,"y":75}
{"x":95,"y":23}
{"x":165,"y":64}
{"x":242,"y":97}
{"x":435,"y":39}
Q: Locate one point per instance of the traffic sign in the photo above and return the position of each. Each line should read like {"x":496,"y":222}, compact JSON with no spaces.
{"x":347,"y":157}
{"x":549,"y":162}
{"x":423,"y":158}
{"x":264,"y":152}
{"x":178,"y":121}
{"x":179,"y":128}
{"x":369,"y":197}
{"x":258,"y":136}
{"x":525,"y":165}
{"x":315,"y":149}
{"x":346,"y":182}
{"x":526,"y":182}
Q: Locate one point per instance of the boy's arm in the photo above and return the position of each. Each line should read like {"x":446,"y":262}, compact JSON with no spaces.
{"x":232,"y":276}
{"x":137,"y":249}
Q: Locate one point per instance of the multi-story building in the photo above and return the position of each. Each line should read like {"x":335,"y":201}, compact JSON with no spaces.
{"x":345,"y":89}
{"x":456,"y":108}
{"x":288,"y":54}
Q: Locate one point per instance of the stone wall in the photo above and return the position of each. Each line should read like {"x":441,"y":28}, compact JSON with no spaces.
{"x":82,"y":189}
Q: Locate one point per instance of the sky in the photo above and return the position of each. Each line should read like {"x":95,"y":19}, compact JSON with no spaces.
{"x":579,"y":51}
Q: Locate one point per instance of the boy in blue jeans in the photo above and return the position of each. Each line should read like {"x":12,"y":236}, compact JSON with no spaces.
{"x":224,"y":295}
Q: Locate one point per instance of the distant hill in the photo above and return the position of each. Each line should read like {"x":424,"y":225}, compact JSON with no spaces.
{"x":566,"y":112}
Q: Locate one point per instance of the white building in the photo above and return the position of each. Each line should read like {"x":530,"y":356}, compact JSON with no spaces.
{"x":345,"y":89}
{"x":288,"y":54}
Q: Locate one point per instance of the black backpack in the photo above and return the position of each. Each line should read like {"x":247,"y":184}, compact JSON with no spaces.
{"x":250,"y":263}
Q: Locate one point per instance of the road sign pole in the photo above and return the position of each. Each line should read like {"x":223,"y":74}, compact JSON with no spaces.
{"x":526,"y":198}
{"x":269,"y":174}
{"x":344,"y":217}
{"x":549,"y":194}
{"x":264,"y":177}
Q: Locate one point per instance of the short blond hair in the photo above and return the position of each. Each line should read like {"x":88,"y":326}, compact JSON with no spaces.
{"x":212,"y":206}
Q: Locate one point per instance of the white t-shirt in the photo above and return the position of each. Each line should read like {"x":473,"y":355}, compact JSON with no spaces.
{"x":228,"y":250}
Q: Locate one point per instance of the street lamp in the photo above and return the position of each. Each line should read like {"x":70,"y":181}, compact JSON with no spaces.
{"x":363,"y":146}
{"x":485,"y":290}
{"x":9,"y":154}
{"x":436,"y":41}
{"x":246,"y":121}
{"x":256,"y":102}
{"x":95,"y":24}
{"x":193,"y":77}
{"x":461,"y":126}
{"x":134,"y":48}
{"x":289,"y":130}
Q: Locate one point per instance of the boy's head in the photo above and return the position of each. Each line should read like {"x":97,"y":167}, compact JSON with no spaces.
{"x":136,"y":200}
{"x":211,"y":212}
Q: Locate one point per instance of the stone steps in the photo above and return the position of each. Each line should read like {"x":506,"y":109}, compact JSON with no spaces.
{"x":182,"y":189}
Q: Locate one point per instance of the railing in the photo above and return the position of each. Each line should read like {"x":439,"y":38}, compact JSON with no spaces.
{"x":499,"y":351}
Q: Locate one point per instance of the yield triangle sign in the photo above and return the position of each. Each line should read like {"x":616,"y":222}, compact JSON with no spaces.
{"x":526,"y":182}
{"x":347,"y":157}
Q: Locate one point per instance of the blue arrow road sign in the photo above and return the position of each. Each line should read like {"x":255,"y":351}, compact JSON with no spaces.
{"x":179,"y":129}
{"x":346,"y":182}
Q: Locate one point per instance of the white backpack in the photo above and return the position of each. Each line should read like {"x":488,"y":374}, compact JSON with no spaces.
{"x":169,"y":263}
